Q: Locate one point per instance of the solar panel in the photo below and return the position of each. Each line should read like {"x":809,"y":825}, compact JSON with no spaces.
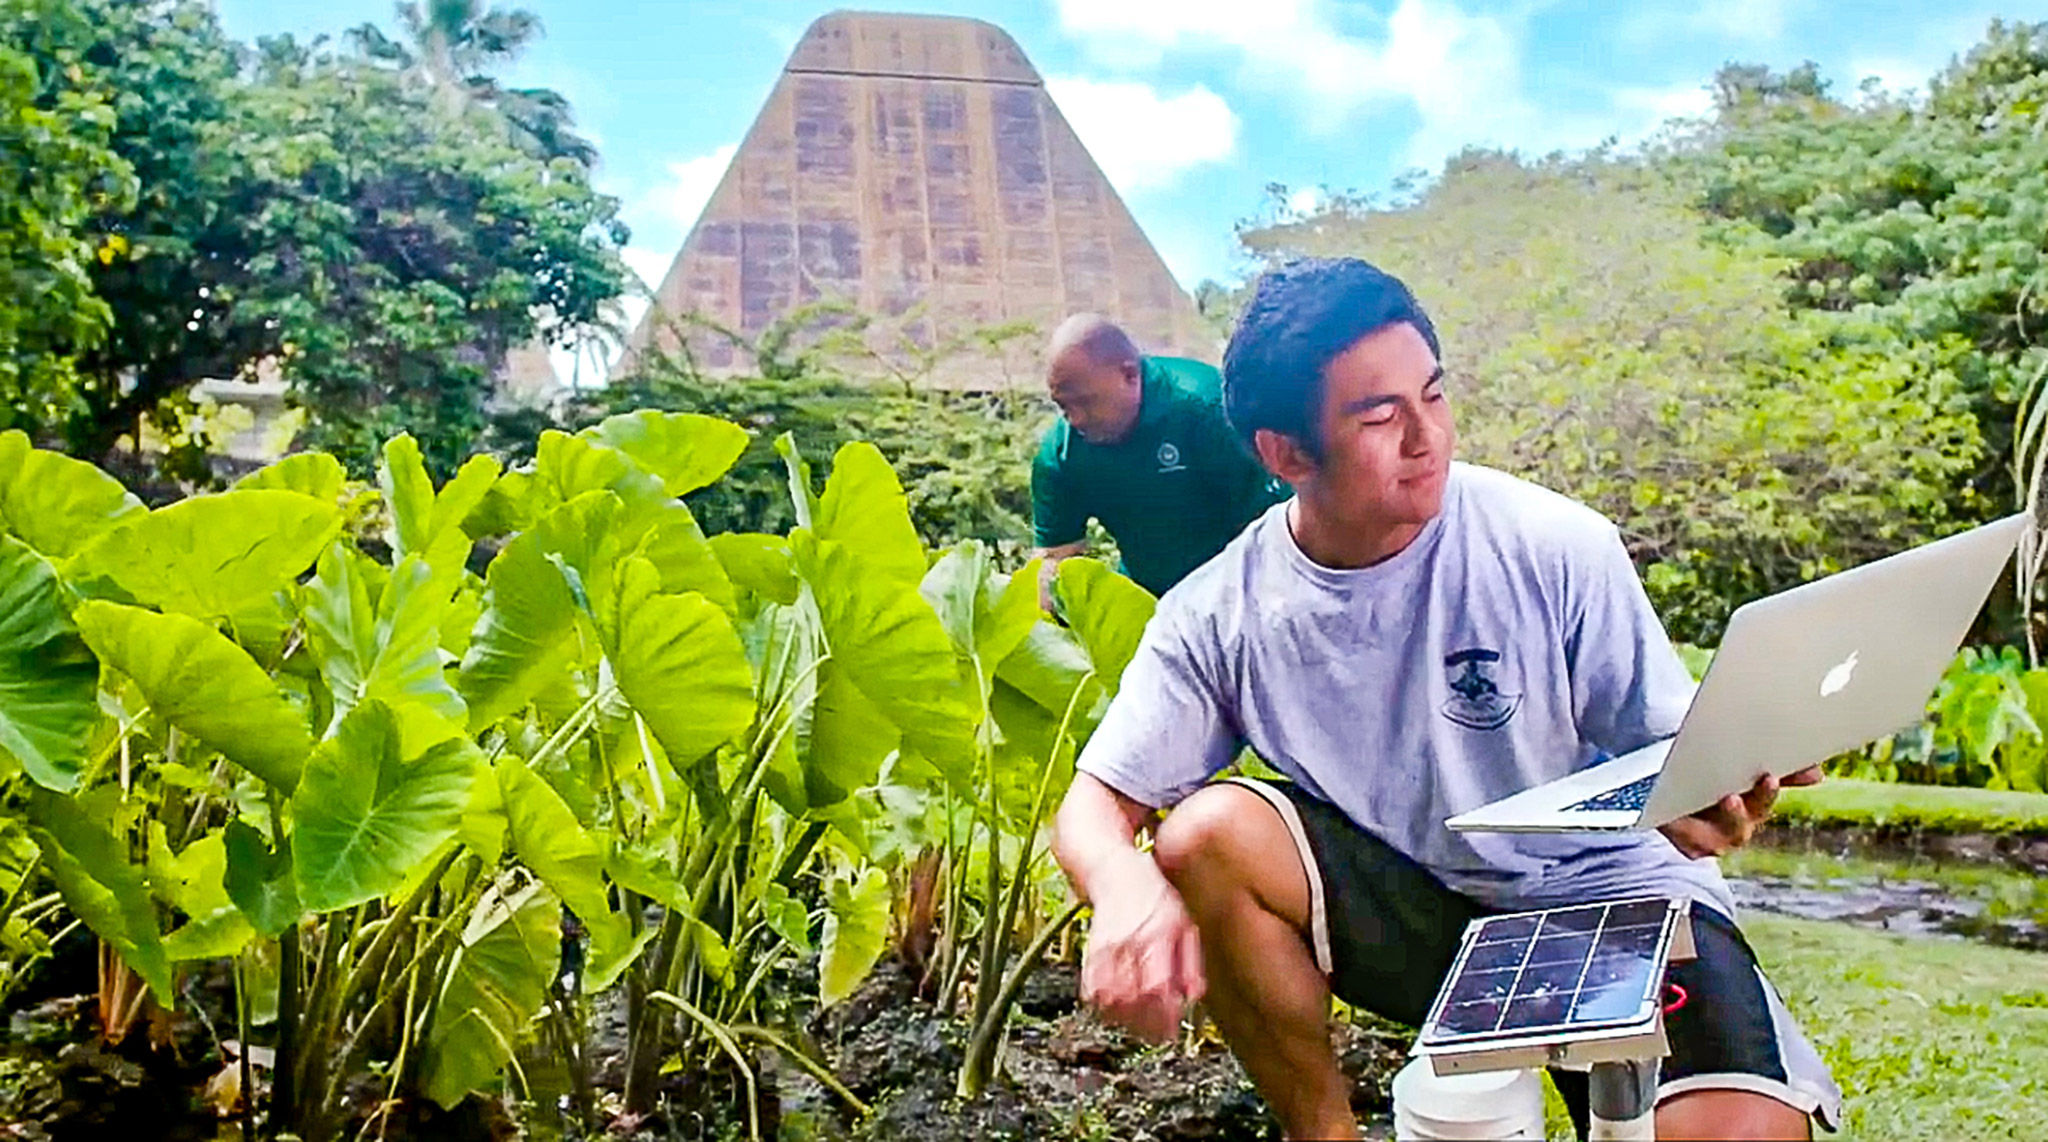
{"x":1555,"y":972}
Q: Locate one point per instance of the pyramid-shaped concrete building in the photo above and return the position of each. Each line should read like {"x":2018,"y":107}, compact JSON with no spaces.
{"x":916,"y":167}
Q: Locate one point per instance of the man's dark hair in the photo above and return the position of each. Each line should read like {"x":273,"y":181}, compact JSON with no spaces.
{"x":1302,"y":316}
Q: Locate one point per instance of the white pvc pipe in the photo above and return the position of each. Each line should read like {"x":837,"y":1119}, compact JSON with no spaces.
{"x":1623,"y":1098}
{"x":1642,"y":1128}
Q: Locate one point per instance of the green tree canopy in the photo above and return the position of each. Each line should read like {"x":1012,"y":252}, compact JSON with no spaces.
{"x":1930,"y":215}
{"x":56,"y":170}
{"x":406,"y":252}
{"x":305,"y":208}
{"x":451,"y":47}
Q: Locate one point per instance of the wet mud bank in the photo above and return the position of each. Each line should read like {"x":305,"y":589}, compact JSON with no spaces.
{"x":1986,"y":887}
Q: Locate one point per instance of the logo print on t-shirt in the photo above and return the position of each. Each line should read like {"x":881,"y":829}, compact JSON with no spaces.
{"x":1169,"y":457}
{"x":1477,"y":701}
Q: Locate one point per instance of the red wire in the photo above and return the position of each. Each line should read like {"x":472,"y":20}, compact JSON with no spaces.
{"x":1677,"y":1003}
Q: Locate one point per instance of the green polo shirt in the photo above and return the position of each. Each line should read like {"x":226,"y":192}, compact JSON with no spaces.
{"x":1173,"y":493}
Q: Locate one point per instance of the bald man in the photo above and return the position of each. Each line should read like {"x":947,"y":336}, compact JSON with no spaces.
{"x":1141,"y":445}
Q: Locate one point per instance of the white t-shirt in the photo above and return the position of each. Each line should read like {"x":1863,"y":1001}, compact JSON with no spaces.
{"x":1510,"y":644}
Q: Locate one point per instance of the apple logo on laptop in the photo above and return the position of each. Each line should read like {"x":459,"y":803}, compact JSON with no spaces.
{"x":1837,"y":679}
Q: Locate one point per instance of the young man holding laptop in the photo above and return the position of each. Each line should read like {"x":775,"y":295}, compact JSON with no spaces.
{"x":1409,"y":639}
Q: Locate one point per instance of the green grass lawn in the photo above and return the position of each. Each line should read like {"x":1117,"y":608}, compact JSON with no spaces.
{"x":1929,"y":1038}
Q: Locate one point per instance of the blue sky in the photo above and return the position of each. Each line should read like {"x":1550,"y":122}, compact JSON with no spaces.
{"x":1193,"y":106}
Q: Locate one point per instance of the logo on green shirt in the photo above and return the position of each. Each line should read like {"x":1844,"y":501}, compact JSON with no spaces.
{"x":1169,"y":457}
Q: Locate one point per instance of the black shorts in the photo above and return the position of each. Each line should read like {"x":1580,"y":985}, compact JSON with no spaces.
{"x":1385,"y":931}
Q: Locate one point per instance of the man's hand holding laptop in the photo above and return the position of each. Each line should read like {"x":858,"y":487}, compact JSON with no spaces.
{"x":1729,"y":824}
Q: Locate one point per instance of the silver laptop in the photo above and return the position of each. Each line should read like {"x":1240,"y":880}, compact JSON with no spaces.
{"x":1800,"y":677}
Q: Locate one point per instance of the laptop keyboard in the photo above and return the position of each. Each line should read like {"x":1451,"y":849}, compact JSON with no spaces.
{"x":1632,"y":796}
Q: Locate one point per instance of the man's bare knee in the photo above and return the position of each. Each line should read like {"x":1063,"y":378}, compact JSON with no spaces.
{"x":1203,"y":831}
{"x":1228,"y":837}
{"x":1730,"y":1114}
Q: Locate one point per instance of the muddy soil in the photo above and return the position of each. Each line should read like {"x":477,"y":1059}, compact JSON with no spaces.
{"x":58,"y":1084}
{"x":1977,"y":887}
{"x":2026,"y":853}
{"x":1066,"y":1074}
{"x":1911,"y":907}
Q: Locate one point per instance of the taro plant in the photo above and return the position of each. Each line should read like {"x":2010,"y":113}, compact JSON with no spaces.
{"x":1107,"y":613}
{"x":848,"y":665}
{"x":238,"y":736}
{"x":232,"y":732}
{"x":2030,"y":477}
{"x":1983,"y":729}
{"x":967,"y":842}
{"x":429,"y":818}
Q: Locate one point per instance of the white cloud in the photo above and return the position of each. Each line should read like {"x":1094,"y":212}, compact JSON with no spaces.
{"x":1761,"y":21}
{"x":1137,"y":33}
{"x":660,"y":217}
{"x":1145,"y":140}
{"x":1304,"y":202}
{"x":1898,"y":75}
{"x":1752,"y":22}
{"x":1919,"y":54}
{"x":1651,"y":106}
{"x":649,"y":263}
{"x":1459,"y":71}
{"x":1190,"y":250}
{"x":691,"y":183}
{"x":785,"y":36}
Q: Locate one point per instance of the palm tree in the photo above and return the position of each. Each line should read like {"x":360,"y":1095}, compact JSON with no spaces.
{"x":452,"y":47}
{"x":460,"y":38}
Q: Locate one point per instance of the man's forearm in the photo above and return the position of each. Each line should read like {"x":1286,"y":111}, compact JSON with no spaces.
{"x":1049,"y":566}
{"x":1094,"y":837}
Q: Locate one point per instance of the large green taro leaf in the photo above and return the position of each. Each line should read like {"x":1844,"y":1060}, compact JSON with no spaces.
{"x":509,"y":951}
{"x":681,"y":665}
{"x":865,"y":509}
{"x":856,"y":932}
{"x":314,"y":474}
{"x":891,"y":645}
{"x":425,"y":523}
{"x":367,"y":813}
{"x":522,"y":639}
{"x":547,"y":838}
{"x":1108,"y":612}
{"x":54,"y":503}
{"x":648,"y":520}
{"x":213,"y":557}
{"x":101,"y":886}
{"x":685,"y":450}
{"x":195,"y":882}
{"x":847,"y":740}
{"x":758,"y":563}
{"x":389,"y":649}
{"x":197,"y":680}
{"x":259,"y":880}
{"x":49,"y":683}
{"x":987,"y":614}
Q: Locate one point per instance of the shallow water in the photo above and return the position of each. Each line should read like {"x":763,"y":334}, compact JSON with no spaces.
{"x":1910,"y":897}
